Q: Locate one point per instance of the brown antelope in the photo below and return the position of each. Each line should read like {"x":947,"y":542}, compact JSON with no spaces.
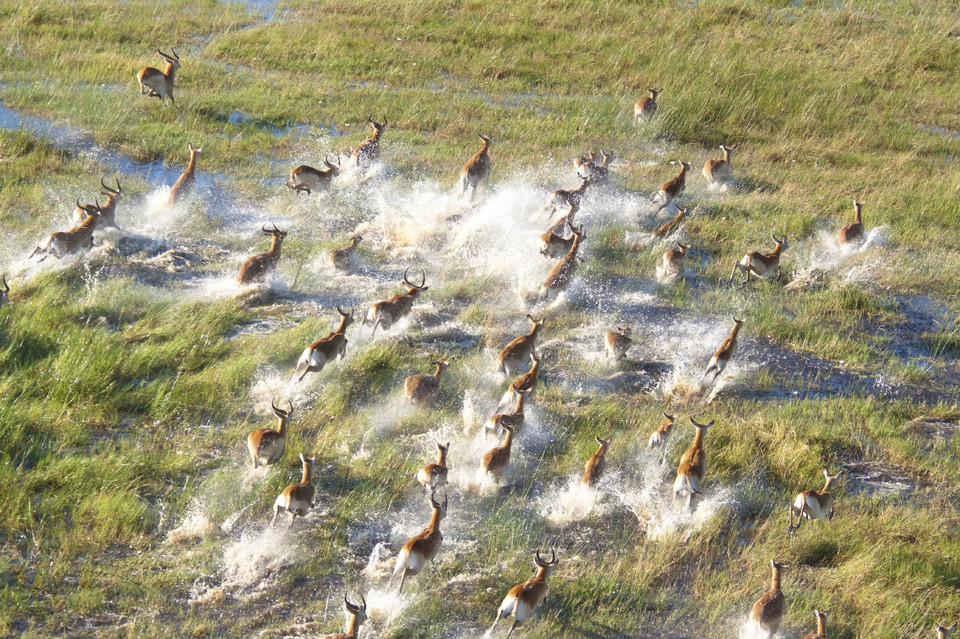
{"x":256,"y":268}
{"x":368,"y":152}
{"x":107,"y":212}
{"x":821,"y":632}
{"x":306,"y":178}
{"x":692,"y":466}
{"x":569,"y":199}
{"x":79,"y":238}
{"x":767,"y":612}
{"x":646,"y":107}
{"x":297,"y":499}
{"x":565,"y":268}
{"x":184,"y":184}
{"x":341,"y":259}
{"x":943,"y":632}
{"x":4,"y":292}
{"x":523,"y":599}
{"x":515,"y":419}
{"x":724,"y":354}
{"x":266,"y":445}
{"x":477,"y":170}
{"x":326,"y":349}
{"x":598,"y":173}
{"x":391,"y":311}
{"x":813,"y":504}
{"x":552,"y":242}
{"x":659,"y":437}
{"x":719,"y":173}
{"x":673,"y":189}
{"x":765,"y":265}
{"x":673,"y":261}
{"x":155,"y":83}
{"x":527,"y":382}
{"x":433,"y":476}
{"x":596,"y":465}
{"x":584,"y":163}
{"x":853,"y":233}
{"x":617,"y":342}
{"x":422,"y":389}
{"x":669,"y":227}
{"x":518,"y":351}
{"x":496,"y":459}
{"x":422,"y":547}
{"x":356,"y":615}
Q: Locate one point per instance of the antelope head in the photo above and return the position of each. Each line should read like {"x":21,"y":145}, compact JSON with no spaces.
{"x":282,"y":414}
{"x":546,"y":567}
{"x":110,"y":191}
{"x":172,"y":60}
{"x":275,"y":233}
{"x":415,"y":287}
{"x":334,"y":169}
{"x":378,"y":128}
{"x":353,"y":610}
{"x":4,"y":297}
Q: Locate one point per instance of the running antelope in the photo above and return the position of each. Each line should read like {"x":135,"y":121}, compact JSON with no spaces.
{"x":553,"y":243}
{"x":155,"y":83}
{"x":598,"y":173}
{"x":673,"y":189}
{"x":356,"y":615}
{"x":523,"y":599}
{"x":518,"y":351}
{"x":391,"y":311}
{"x":515,"y":420}
{"x":821,"y":632}
{"x":944,"y":632}
{"x":646,"y":107}
{"x":569,"y":199}
{"x":584,"y":164}
{"x":341,"y":259}
{"x":255,"y":269}
{"x":477,"y":170}
{"x":813,"y":504}
{"x":422,"y":389}
{"x":496,"y":459}
{"x":184,"y":184}
{"x":326,"y":349}
{"x":306,"y":178}
{"x":368,"y":152}
{"x":724,"y":354}
{"x":596,"y":465}
{"x":107,"y":212}
{"x":852,"y":233}
{"x":565,"y":268}
{"x":617,"y":342}
{"x":422,"y":547}
{"x":765,"y":265}
{"x":433,"y":476}
{"x":767,"y":612}
{"x":692,"y":466}
{"x":719,"y":173}
{"x":297,"y":499}
{"x":266,"y":445}
{"x":4,"y":292}
{"x":669,"y":227}
{"x":525,"y":383}
{"x":659,"y":437}
{"x":79,"y":238}
{"x":673,"y":262}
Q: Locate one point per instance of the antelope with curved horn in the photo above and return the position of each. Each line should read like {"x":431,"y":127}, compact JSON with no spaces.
{"x":693,"y":464}
{"x":719,"y":173}
{"x":596,"y":465}
{"x":519,"y":350}
{"x":496,"y":424}
{"x":765,"y":265}
{"x":565,"y":268}
{"x":306,"y":178}
{"x":724,"y":354}
{"x":423,"y":389}
{"x":391,"y":311}
{"x":266,"y":445}
{"x":79,"y":238}
{"x":525,"y":383}
{"x":646,"y":107}
{"x":155,"y":83}
{"x":476,"y":170}
{"x":108,"y":210}
{"x":617,"y":342}
{"x":943,"y":632}
{"x":672,"y":263}
{"x":341,"y":259}
{"x":496,"y":459}
{"x":552,"y":243}
{"x":256,"y":268}
{"x":673,"y":189}
{"x":422,"y":547}
{"x":853,"y":232}
{"x":356,"y":615}
{"x":767,"y":612}
{"x":569,"y":199}
{"x":813,"y":504}
{"x":821,"y":632}
{"x":297,"y":499}
{"x":659,"y":437}
{"x":184,"y":184}
{"x":523,"y":599}
{"x":368,"y":152}
{"x":667,"y":228}
{"x":326,"y":349}
{"x":433,"y":476}
{"x":4,"y":292}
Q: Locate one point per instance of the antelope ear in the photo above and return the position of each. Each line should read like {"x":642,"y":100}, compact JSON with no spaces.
{"x":302,"y":458}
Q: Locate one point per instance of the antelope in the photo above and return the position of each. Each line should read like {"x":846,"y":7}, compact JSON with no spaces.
{"x":646,"y":107}
{"x":673,"y":261}
{"x":659,"y":437}
{"x":767,"y":612}
{"x":596,"y":465}
{"x":155,"y":83}
{"x":422,"y":389}
{"x":368,"y":152}
{"x":341,"y":259}
{"x":813,"y":504}
{"x":433,"y":476}
{"x":852,"y":233}
{"x":4,"y":292}
{"x":306,"y":178}
{"x":552,"y":243}
{"x":255,"y":269}
{"x":673,"y":189}
{"x":266,"y":445}
{"x":391,"y":311}
{"x":108,"y":211}
{"x":693,"y":464}
{"x":598,"y":173}
{"x":519,"y":350}
{"x":944,"y":632}
{"x":326,"y":349}
{"x":821,"y":632}
{"x":422,"y":547}
{"x":515,"y":419}
{"x":765,"y":265}
{"x":297,"y":499}
{"x":527,"y":382}
{"x":523,"y":599}
{"x":724,"y":354}
{"x":568,"y":198}
{"x":496,"y":459}
{"x":617,"y":342}
{"x":356,"y":615}
{"x":669,"y":227}
{"x":584,"y":163}
{"x":476,"y":170}
{"x":719,"y":173}
{"x":563,"y":271}
{"x":79,"y":238}
{"x":184,"y":184}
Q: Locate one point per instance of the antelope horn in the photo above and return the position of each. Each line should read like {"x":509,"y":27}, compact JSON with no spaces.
{"x":384,"y":119}
{"x":78,"y":202}
{"x":423,"y":278}
{"x":405,"y":280}
{"x":175,"y":54}
{"x":6,"y":287}
{"x":264,"y":228}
